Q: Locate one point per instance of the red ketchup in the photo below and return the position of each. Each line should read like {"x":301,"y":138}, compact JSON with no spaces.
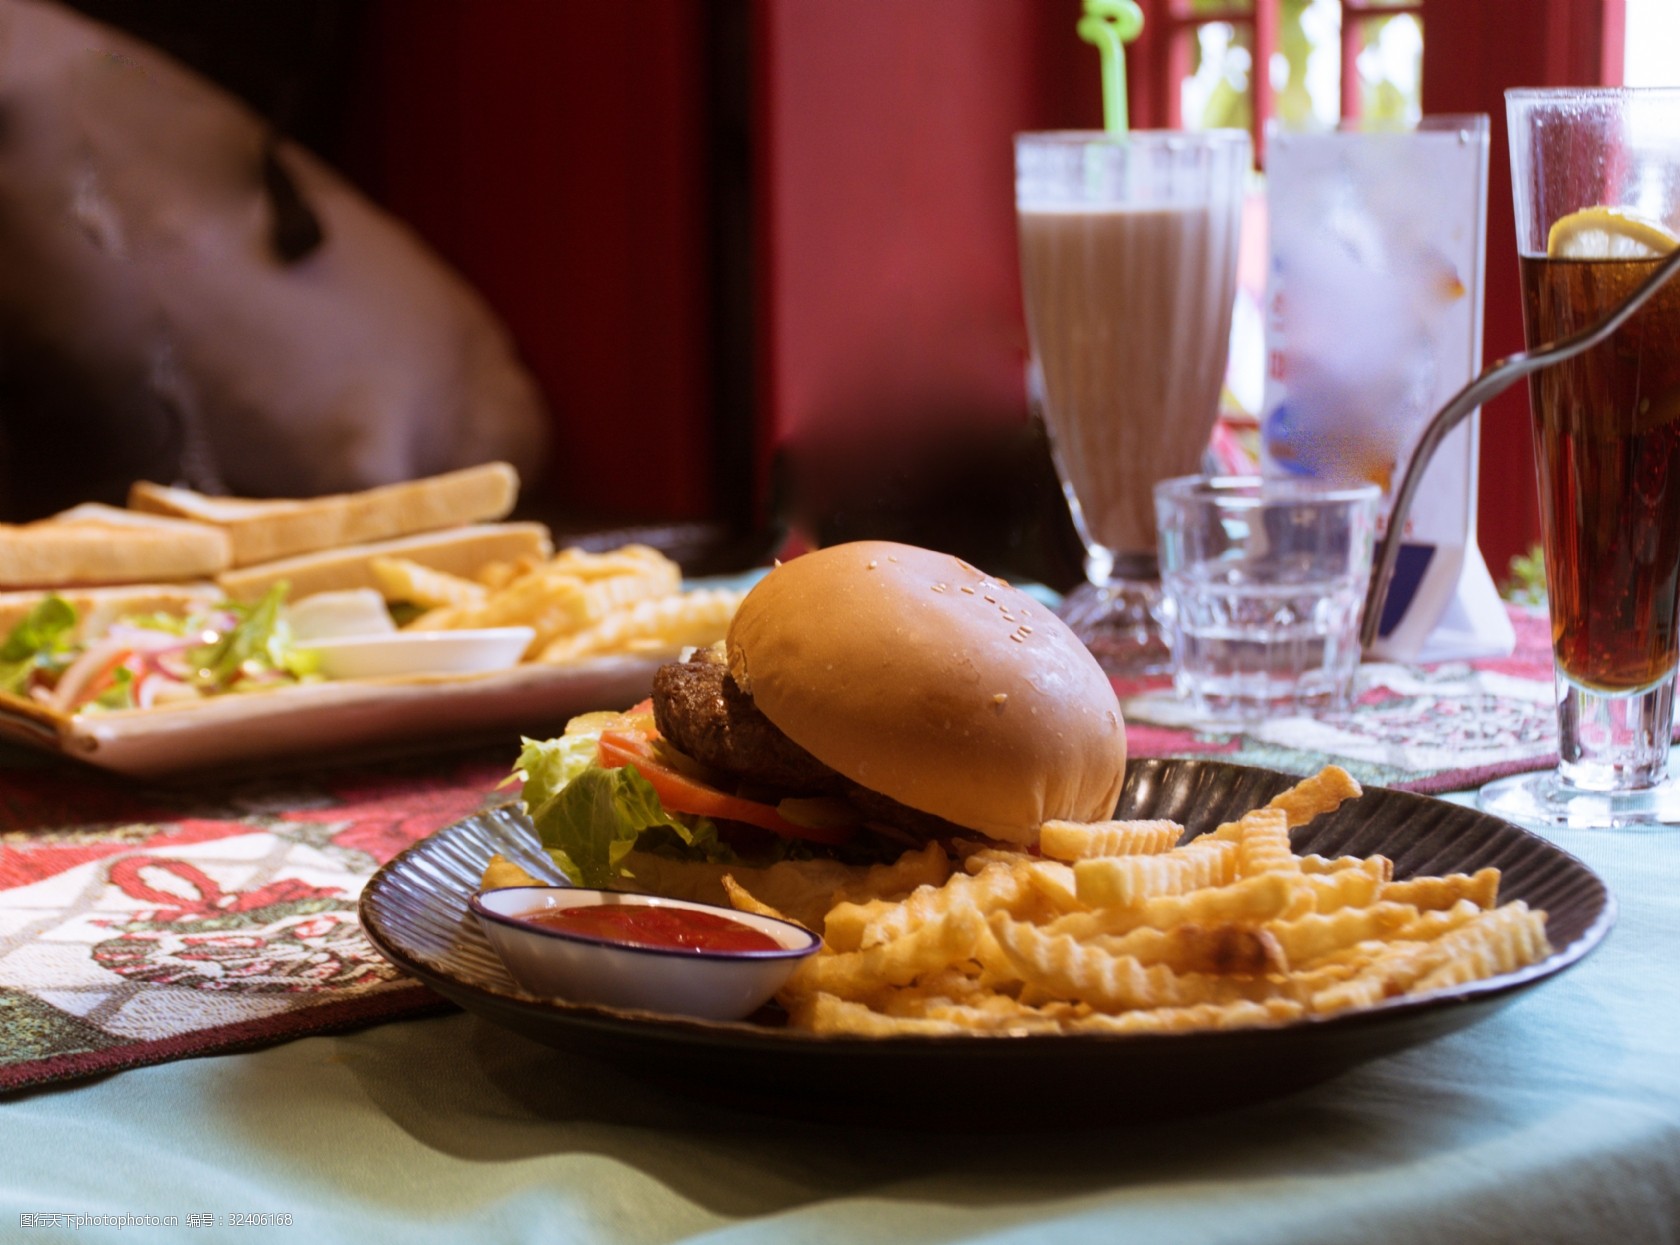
{"x":668,"y":929}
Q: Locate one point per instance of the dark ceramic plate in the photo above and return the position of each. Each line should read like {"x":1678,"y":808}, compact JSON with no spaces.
{"x":415,"y":912}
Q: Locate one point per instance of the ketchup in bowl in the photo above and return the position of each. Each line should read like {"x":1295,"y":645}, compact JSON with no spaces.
{"x":670,"y":929}
{"x":641,"y":952}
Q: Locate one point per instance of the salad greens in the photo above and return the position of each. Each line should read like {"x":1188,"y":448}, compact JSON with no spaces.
{"x":142,"y":660}
{"x":589,"y":818}
{"x":40,"y":641}
{"x":259,"y":640}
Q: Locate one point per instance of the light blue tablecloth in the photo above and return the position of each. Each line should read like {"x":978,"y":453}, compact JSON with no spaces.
{"x":1556,"y":1120}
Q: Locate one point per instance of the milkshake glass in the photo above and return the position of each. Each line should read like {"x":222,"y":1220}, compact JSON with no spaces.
{"x":1128,"y":270}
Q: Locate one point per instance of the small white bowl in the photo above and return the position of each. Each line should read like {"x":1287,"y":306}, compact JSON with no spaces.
{"x":469,"y":651}
{"x":710,"y":985}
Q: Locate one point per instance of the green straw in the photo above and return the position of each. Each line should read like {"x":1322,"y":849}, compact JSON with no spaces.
{"x":1110,"y":24}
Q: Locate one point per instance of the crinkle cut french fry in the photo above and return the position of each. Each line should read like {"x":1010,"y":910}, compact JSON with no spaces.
{"x":1193,"y":948}
{"x":1064,"y":968}
{"x":984,"y":858}
{"x":1500,"y":941}
{"x":1126,"y":881}
{"x":1516,"y":942}
{"x":1075,"y":840}
{"x":1307,"y":937}
{"x":1055,"y":885}
{"x":845,"y":923}
{"x":1432,"y":923}
{"x":1379,"y":867}
{"x":999,"y":888}
{"x":996,"y":970}
{"x":1238,"y":1014}
{"x":660,"y":625}
{"x":826,"y":1013}
{"x":859,"y":926}
{"x":982,"y":1010}
{"x":554,"y":606}
{"x":855,"y":905}
{"x":1481,"y":887}
{"x":1263,"y":844}
{"x":856,"y":974}
{"x":1323,"y":792}
{"x":1346,"y":888}
{"x":1263,"y":898}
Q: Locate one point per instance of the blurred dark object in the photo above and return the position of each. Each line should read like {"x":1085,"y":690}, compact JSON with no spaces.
{"x":188,"y":296}
{"x":699,"y":547}
{"x":291,"y":61}
{"x":986,"y":492}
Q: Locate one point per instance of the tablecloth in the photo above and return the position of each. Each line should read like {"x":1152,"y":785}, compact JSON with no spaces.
{"x":1557,"y":1119}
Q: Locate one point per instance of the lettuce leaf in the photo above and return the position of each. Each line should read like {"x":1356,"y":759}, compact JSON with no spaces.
{"x":262,"y":638}
{"x":589,"y":818}
{"x":42,"y":639}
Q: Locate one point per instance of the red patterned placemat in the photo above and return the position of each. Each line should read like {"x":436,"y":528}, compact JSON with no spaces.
{"x":1442,"y":727}
{"x":143,"y":924}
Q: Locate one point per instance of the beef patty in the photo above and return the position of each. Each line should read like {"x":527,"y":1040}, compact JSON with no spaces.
{"x":703,"y":713}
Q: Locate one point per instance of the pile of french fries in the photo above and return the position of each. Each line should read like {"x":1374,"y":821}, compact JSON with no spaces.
{"x":626,"y":601}
{"x":1116,"y":928}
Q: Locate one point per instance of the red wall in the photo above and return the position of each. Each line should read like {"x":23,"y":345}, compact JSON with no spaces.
{"x":889,"y":291}
{"x":553,"y":152}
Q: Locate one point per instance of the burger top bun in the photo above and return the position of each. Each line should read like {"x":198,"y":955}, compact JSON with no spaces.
{"x":917,"y":676}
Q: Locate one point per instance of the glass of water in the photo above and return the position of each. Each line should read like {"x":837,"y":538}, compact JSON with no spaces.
{"x":1263,"y":582}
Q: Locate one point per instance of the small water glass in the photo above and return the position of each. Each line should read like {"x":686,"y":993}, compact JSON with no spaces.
{"x":1264,"y":580}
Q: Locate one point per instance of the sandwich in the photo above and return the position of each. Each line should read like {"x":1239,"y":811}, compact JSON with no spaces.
{"x":869,"y":699}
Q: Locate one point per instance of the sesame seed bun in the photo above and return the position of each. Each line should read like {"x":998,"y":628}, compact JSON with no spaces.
{"x":915,"y":675}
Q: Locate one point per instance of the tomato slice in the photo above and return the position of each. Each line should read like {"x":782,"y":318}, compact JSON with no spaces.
{"x":102,"y":679}
{"x":681,"y":793}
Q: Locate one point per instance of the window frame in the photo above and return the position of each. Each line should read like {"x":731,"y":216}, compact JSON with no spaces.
{"x":1178,"y":20}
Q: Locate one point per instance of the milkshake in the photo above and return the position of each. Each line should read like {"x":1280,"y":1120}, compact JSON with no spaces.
{"x":1128,"y":273}
{"x":1129,"y":313}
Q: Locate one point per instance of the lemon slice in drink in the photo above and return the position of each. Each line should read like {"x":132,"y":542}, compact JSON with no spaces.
{"x":1608,"y":233}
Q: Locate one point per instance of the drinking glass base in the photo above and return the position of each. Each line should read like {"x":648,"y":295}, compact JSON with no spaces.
{"x":1546,"y":800}
{"x":1120,"y":622}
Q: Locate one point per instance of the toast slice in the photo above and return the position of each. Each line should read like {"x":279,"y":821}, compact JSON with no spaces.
{"x":212,"y":544}
{"x":264,"y":530}
{"x":91,"y":546}
{"x":458,"y":551}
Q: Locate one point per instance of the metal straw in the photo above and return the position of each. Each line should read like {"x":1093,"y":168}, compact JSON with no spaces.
{"x":1493,"y":381}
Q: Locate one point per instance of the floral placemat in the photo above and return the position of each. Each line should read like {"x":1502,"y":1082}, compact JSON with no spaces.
{"x":1435,"y":728}
{"x":140,"y":924}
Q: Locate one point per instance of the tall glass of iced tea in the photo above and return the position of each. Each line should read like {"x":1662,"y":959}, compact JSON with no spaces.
{"x":1128,"y":272}
{"x":1596,"y":178}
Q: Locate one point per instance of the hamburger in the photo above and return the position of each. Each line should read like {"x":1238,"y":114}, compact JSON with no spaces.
{"x":869,"y":699}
